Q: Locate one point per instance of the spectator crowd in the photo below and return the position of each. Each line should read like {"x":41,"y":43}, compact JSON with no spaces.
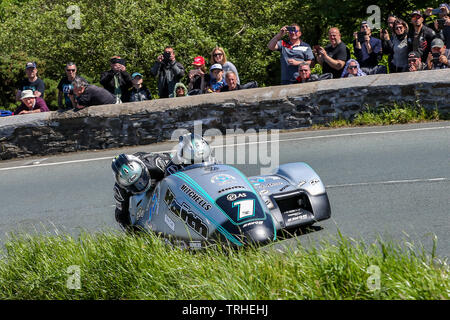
{"x":410,"y":47}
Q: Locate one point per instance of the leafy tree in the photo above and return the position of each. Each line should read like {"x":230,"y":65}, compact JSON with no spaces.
{"x":138,"y":30}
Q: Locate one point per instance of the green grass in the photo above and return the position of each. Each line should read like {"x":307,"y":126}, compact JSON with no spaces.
{"x":120,"y":266}
{"x":387,"y":115}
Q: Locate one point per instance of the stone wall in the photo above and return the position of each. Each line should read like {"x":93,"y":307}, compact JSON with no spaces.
{"x":278,"y":107}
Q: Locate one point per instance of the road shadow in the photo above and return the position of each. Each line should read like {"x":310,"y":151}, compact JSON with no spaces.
{"x":297,"y":232}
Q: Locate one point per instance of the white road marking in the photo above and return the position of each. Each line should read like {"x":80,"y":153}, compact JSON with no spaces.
{"x":386,"y":182}
{"x":238,"y":144}
{"x":54,"y":164}
{"x":342,"y":135}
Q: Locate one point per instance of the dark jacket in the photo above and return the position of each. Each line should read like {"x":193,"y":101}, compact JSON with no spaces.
{"x":422,"y":42}
{"x":369,"y":60}
{"x":95,"y":96}
{"x":226,"y":88}
{"x":199,"y":82}
{"x":40,"y":104}
{"x":313,"y":77}
{"x":248,"y":85}
{"x":390,"y":46}
{"x":168,"y":75}
{"x":141,"y":94}
{"x":107,"y":81}
{"x":156,"y":165}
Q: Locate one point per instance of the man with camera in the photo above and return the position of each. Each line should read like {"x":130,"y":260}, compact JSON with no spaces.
{"x":333,"y":56}
{"x":293,"y":52}
{"x":117,"y":80}
{"x":439,"y":57}
{"x":439,"y":24}
{"x":368,"y":50}
{"x":415,"y":62}
{"x":168,"y":71}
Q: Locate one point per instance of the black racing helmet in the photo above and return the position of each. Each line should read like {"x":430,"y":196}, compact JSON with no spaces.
{"x":131,"y":173}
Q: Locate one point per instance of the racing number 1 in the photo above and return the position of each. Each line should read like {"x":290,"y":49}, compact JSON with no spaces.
{"x":246,"y":208}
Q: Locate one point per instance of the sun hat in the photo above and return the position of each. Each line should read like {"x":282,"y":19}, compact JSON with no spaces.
{"x":27,"y":94}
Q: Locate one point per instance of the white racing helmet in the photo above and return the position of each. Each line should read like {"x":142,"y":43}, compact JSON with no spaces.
{"x":191,"y":149}
{"x":131,"y":173}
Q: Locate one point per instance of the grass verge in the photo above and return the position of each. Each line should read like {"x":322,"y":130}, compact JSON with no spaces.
{"x":120,"y":266}
{"x":389,"y":115}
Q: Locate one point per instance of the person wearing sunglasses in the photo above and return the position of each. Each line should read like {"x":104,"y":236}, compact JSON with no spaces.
{"x":368,"y":50}
{"x":293,"y":51}
{"x":415,"y":62}
{"x":218,"y":56}
{"x":390,"y":23}
{"x":168,"y":71}
{"x":438,"y":24}
{"x":65,"y":87}
{"x":420,"y":36}
{"x":352,"y":69}
{"x":397,"y":47}
{"x":305,"y":75}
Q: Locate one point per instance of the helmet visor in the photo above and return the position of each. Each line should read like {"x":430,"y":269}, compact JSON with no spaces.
{"x":141,"y":184}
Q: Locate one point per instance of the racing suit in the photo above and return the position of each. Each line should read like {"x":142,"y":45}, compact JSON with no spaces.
{"x":156,"y":165}
{"x":159,"y":166}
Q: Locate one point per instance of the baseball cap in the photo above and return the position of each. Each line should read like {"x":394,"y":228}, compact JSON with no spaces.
{"x":27,"y":94}
{"x":30,"y":65}
{"x":216,"y":66}
{"x":413,"y":54}
{"x":444,"y":5}
{"x":363,"y":22}
{"x":437,"y":43}
{"x":416,"y":12}
{"x":117,"y":59}
{"x":136,"y":74}
{"x":198,"y":61}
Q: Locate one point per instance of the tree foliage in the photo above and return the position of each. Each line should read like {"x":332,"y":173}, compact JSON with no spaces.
{"x":138,"y":30}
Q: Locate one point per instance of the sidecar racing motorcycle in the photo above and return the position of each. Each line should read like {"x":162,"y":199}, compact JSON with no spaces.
{"x":209,"y":202}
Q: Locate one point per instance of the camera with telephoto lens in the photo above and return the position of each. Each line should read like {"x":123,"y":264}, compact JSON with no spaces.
{"x":436,"y":56}
{"x":166,"y":56}
{"x":290,"y":29}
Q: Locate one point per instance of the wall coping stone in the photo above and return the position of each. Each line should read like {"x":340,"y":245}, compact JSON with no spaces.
{"x":247,"y":105}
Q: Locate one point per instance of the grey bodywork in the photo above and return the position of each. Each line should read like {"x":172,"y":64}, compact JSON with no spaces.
{"x":191,"y":205}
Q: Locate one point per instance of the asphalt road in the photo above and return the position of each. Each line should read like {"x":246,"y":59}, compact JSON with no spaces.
{"x":391,"y":182}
